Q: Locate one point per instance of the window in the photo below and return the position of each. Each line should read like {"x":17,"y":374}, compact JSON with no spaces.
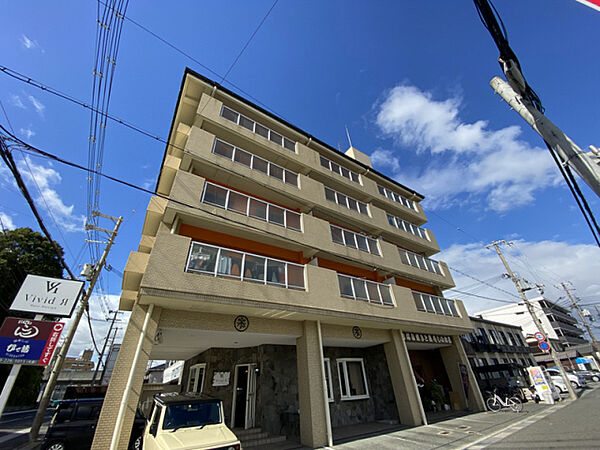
{"x":365,"y":290}
{"x":353,"y":379}
{"x":433,"y":304}
{"x":257,"y":128}
{"x":346,"y":202}
{"x":351,"y":239}
{"x":419,"y":261}
{"x":87,"y":411}
{"x":328,"y":383}
{"x":218,"y":261}
{"x":397,"y":198}
{"x":156,"y":418}
{"x":250,"y":206}
{"x":407,"y":226}
{"x":340,"y":170}
{"x":196,"y":378}
{"x":254,"y":162}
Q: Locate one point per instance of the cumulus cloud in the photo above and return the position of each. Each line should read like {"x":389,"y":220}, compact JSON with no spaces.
{"x":469,"y":159}
{"x":27,"y":132}
{"x":46,"y":178}
{"x":545,"y":262}
{"x":6,"y":222}
{"x":38,"y":106}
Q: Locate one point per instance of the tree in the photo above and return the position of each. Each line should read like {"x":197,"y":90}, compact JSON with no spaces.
{"x":24,"y":251}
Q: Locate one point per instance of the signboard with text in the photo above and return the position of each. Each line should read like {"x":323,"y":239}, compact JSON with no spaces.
{"x":25,"y":341}
{"x":45,"y":295}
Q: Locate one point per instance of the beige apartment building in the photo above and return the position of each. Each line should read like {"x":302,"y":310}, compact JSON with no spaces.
{"x":294,"y":280}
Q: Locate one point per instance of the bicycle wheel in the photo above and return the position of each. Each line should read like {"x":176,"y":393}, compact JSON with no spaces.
{"x":493,"y":404}
{"x":515,"y":404}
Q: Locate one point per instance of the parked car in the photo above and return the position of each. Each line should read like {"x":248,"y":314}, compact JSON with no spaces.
{"x":588,"y":375}
{"x":576,"y":380}
{"x":74,"y":423}
{"x":188,"y":421}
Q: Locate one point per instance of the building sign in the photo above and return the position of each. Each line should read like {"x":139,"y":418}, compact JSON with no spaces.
{"x":221,"y":378}
{"x":540,"y":384}
{"x":427,"y":338}
{"x":24,"y":341}
{"x":44,"y":295}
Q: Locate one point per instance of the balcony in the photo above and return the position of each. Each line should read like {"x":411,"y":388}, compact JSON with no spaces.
{"x":179,"y":275}
{"x":421,"y":262}
{"x":435,"y":304}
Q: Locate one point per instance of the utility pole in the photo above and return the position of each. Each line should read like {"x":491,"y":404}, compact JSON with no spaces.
{"x":112,"y":323}
{"x":536,"y":319}
{"x":83,"y":304}
{"x":595,"y":344}
{"x":110,"y":349}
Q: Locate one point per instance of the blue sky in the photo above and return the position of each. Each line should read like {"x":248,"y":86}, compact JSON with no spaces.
{"x":408,"y":79}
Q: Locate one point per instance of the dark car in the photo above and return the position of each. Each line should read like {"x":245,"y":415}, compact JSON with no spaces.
{"x":74,"y":423}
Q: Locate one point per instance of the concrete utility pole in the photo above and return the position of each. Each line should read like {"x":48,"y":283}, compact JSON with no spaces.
{"x":536,"y":319}
{"x":58,"y":364}
{"x":587,"y":165}
{"x":112,"y":323}
{"x":595,"y":344}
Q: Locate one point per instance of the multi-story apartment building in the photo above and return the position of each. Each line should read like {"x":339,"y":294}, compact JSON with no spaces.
{"x":294,"y":280}
{"x":559,"y":326}
{"x":498,"y":354}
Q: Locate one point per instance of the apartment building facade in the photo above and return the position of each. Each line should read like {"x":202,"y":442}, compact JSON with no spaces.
{"x":498,"y":354}
{"x":295,"y":281}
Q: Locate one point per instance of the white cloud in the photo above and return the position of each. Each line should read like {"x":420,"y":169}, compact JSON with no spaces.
{"x":29,"y":44}
{"x":15,"y":100}
{"x":6,"y":222}
{"x":469,"y":159}
{"x":545,"y":262}
{"x":27,"y":132}
{"x":39,"y":106}
{"x":46,"y":178}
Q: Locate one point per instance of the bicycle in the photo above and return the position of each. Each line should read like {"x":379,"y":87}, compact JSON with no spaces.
{"x":495,"y":403}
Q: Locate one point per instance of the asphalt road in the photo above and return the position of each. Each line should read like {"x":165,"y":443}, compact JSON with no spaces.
{"x":14,"y":428}
{"x":577,"y":425}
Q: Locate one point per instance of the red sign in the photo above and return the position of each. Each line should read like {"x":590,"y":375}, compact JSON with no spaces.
{"x":25,"y":341}
{"x":538,"y":335}
{"x":591,"y":3}
{"x":544,"y":346}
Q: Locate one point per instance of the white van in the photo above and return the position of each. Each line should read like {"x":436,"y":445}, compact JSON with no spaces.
{"x":188,"y":421}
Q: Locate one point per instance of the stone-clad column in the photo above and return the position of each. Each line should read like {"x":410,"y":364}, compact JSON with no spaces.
{"x":118,"y":381}
{"x":406,"y":392}
{"x":311,"y":387}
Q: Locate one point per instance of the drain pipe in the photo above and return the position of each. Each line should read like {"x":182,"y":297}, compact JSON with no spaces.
{"x":327,"y":417}
{"x":125,"y":400}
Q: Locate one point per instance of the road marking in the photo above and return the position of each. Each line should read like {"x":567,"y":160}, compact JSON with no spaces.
{"x":13,"y":435}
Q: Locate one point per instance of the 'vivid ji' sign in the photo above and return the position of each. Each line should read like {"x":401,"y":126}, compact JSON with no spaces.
{"x":49,"y":296}
{"x":25,"y":341}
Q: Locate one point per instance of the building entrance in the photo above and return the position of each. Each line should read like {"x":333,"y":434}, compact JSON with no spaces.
{"x":242,"y":414}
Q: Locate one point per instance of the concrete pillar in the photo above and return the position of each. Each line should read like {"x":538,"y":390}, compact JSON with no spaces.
{"x":311,"y":388}
{"x":406,"y":392}
{"x":118,"y":381}
{"x":452,"y":356}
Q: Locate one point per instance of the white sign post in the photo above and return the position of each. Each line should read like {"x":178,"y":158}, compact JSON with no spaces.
{"x":49,"y":296}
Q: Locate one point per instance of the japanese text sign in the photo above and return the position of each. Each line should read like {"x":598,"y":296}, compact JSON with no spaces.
{"x":24,"y":341}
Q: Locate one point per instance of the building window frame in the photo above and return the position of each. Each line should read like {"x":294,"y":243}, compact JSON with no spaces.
{"x":346,"y":201}
{"x":328,"y":380}
{"x":391,"y":195}
{"x":420,"y":262}
{"x":344,"y":377}
{"x":411,"y":228}
{"x":365,"y":290}
{"x":348,"y":237}
{"x":339,"y":169}
{"x":434,"y":304}
{"x":198,"y":379}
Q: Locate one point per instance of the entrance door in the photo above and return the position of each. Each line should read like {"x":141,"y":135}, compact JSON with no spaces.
{"x":244,"y":396}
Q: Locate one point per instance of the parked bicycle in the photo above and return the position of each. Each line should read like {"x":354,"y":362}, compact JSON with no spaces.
{"x":495,"y":402}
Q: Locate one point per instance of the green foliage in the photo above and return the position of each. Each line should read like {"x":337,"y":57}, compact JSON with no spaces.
{"x":24,"y":251}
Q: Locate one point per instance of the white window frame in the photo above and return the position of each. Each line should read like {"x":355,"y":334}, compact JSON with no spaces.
{"x":357,"y":247}
{"x":328,"y":380}
{"x":194,"y":388}
{"x":391,"y":195}
{"x":342,"y":365}
{"x":340,"y":171}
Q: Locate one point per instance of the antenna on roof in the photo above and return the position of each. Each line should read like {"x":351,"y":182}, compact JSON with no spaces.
{"x":348,"y":134}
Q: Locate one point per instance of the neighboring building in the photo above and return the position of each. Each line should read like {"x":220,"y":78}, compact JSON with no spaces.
{"x":295,"y":282}
{"x":109,"y":363}
{"x":560,"y":327}
{"x":498,"y":354}
{"x":173,"y":372}
{"x":82,"y":363}
{"x":154,"y":374}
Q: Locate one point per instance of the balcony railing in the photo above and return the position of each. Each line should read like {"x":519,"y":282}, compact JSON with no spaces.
{"x":254,"y":162}
{"x":354,"y":240}
{"x":346,"y":202}
{"x":257,"y":128}
{"x":420,"y":262}
{"x":435,"y":304}
{"x":250,"y":206}
{"x":407,"y":226}
{"x":397,"y":198}
{"x":365,"y":290}
{"x":224,"y":262}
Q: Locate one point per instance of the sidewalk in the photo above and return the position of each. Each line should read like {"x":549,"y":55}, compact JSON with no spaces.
{"x":473,"y":431}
